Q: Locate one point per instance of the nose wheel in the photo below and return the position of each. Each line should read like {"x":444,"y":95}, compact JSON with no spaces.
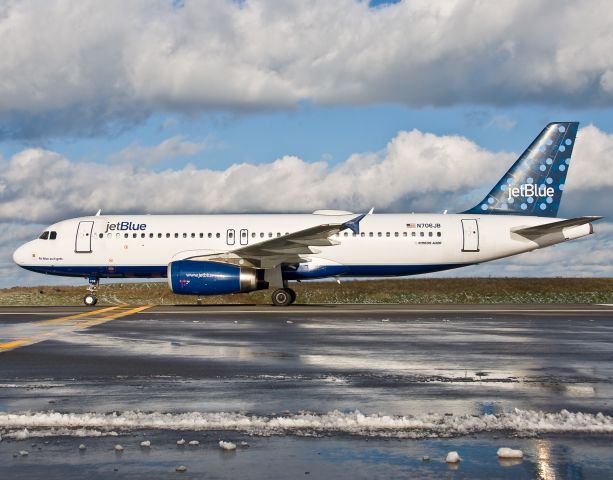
{"x":283,"y":297}
{"x":91,"y":299}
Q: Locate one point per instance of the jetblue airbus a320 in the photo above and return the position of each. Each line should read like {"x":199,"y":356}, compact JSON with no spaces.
{"x":219,"y":254}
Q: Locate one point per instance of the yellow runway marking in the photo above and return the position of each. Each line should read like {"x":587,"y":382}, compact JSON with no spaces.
{"x":71,"y":323}
{"x":77,"y":316}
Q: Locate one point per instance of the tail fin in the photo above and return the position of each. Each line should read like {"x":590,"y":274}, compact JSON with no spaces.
{"x":535,"y":183}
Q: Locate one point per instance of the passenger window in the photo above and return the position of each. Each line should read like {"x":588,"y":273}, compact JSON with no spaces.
{"x":413,"y":234}
{"x":387,"y":234}
{"x":159,"y":235}
{"x":125,"y":235}
{"x":430,"y":234}
{"x":168,"y":235}
{"x":362,"y":234}
{"x":201,"y":235}
{"x":261,"y":234}
{"x":278,"y":234}
{"x":404,"y":234}
{"x":176,"y":235}
{"x":421,"y":234}
{"x":346,"y":234}
{"x":44,"y":236}
{"x":395,"y":234}
{"x":118,"y":236}
{"x":269,"y":234}
{"x":101,"y":235}
{"x":142,"y":235}
{"x":134,"y":235}
{"x":210,"y":235}
{"x":217,"y":235}
{"x":109,"y":235}
{"x":185,"y":235}
{"x":370,"y":234}
{"x":438,"y":234}
{"x":379,"y":234}
{"x":252,"y":234}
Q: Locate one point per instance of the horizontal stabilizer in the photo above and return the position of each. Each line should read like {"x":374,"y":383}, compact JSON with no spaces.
{"x":553,"y":226}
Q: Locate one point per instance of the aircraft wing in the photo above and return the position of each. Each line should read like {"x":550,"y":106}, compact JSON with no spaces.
{"x":289,"y":248}
{"x":552,"y":227}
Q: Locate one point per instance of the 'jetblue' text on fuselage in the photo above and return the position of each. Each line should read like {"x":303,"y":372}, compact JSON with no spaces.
{"x":125,"y":226}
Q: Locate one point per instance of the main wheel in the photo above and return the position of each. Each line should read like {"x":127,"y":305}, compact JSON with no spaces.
{"x":90,"y":300}
{"x":292,"y":294}
{"x":281,"y":297}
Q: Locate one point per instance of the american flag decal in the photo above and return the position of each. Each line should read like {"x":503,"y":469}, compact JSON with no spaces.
{"x":411,"y":225}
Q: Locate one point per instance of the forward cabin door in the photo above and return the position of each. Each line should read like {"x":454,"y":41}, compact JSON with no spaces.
{"x":83,"y":242}
{"x":471,"y":235}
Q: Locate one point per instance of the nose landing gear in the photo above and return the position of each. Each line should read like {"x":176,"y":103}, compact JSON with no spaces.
{"x":90,"y":299}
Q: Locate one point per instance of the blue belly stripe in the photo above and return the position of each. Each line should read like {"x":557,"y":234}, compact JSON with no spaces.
{"x":289,"y":273}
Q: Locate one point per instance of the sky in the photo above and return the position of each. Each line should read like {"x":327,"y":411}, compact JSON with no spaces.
{"x":212,"y":106}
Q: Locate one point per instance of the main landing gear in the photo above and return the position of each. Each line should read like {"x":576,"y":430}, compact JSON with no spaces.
{"x":283,"y":297}
{"x":90,"y":299}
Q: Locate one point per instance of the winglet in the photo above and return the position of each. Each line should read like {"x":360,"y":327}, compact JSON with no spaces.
{"x":354,"y":223}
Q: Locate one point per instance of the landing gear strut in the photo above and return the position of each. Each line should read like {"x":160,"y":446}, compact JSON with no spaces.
{"x":283,"y":297}
{"x":90,"y":299}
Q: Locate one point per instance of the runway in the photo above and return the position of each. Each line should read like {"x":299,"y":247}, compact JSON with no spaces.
{"x":360,"y":391}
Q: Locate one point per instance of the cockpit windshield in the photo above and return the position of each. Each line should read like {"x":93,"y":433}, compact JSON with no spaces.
{"x":48,"y":235}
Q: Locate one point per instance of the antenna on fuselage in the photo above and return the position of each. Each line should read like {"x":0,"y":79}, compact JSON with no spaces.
{"x":98,"y":212}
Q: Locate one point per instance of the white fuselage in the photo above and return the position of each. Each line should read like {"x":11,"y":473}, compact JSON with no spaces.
{"x":387,"y":245}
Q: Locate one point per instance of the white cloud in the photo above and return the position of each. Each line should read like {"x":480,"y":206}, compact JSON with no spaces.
{"x":80,"y":66}
{"x":414,"y":171}
{"x":173,"y":147}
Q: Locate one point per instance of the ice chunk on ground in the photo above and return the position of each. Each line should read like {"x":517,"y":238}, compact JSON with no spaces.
{"x":181,"y":468}
{"x":145,"y":444}
{"x":24,"y":453}
{"x":82,"y":447}
{"x":227,"y":445}
{"x":453,"y":457}
{"x":425,"y":458}
{"x":505,"y":452}
{"x":181,"y":442}
{"x":194,"y":443}
{"x":118,"y":448}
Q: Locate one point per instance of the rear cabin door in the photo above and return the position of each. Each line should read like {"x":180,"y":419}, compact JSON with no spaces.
{"x":83,"y":242}
{"x":471,"y":235}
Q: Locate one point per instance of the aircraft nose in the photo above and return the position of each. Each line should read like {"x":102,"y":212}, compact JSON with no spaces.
{"x":19,"y":255}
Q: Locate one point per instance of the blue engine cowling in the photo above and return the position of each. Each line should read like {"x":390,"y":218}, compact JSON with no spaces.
{"x":192,"y":277}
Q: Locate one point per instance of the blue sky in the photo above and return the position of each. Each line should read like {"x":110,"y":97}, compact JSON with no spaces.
{"x":99,"y":100}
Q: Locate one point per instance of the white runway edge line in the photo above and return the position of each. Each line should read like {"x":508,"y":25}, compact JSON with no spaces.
{"x":522,"y":422}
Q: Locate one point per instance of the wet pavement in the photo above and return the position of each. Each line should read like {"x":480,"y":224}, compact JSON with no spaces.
{"x":343,"y":391}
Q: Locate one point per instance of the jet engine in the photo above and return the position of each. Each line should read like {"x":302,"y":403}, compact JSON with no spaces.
{"x":193,"y":277}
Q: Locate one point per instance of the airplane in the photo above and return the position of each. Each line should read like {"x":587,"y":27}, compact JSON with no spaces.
{"x":221,"y":254}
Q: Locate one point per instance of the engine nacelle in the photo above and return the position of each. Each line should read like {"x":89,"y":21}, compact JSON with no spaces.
{"x":192,"y":277}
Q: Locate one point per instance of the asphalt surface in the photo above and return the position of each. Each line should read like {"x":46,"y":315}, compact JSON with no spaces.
{"x":425,"y":380}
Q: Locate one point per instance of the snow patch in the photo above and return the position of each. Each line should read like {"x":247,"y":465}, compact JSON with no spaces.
{"x":522,"y":422}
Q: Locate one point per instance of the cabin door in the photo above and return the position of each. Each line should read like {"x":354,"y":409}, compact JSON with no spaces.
{"x":470,"y":228}
{"x":83,"y":242}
